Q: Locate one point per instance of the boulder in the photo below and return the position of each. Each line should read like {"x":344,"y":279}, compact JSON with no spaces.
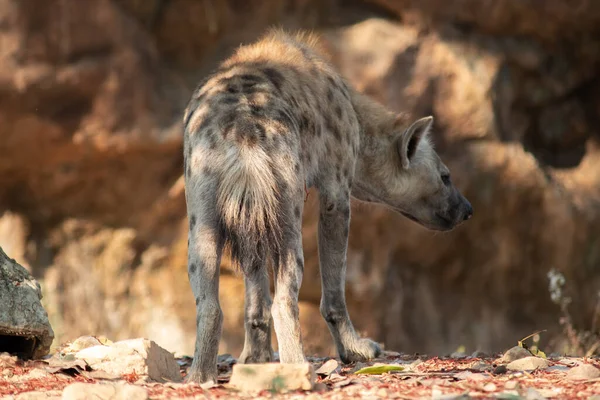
{"x":24,"y":326}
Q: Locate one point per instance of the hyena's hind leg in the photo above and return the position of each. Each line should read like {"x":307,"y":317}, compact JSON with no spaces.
{"x":288,"y":278}
{"x":257,"y":317}
{"x":204,"y":257}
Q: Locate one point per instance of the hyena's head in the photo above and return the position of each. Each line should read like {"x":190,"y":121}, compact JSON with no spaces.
{"x":400,"y":169}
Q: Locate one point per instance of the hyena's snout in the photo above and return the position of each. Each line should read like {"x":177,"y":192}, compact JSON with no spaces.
{"x":457,"y":210}
{"x":461,"y":211}
{"x":466,"y":209}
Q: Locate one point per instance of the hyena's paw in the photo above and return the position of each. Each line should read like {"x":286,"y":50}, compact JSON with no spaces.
{"x":256,"y":357}
{"x":196,"y":375}
{"x":361,"y":350}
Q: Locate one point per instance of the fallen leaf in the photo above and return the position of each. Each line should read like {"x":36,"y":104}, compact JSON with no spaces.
{"x":67,"y":366}
{"x":342,"y":383}
{"x":98,"y":374}
{"x":468,"y":375}
{"x":379,"y":369}
{"x":104,"y":340}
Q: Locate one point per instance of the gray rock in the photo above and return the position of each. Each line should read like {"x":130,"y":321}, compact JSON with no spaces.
{"x":104,"y":391}
{"x":22,"y":318}
{"x":514,"y":353}
{"x":583,"y":372}
{"x":528,"y":364}
{"x":273,"y":376}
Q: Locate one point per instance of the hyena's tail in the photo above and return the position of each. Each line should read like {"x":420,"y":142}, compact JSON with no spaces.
{"x":249,"y":202}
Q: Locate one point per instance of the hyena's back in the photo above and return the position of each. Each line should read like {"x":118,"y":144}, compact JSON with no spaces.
{"x":247,"y":131}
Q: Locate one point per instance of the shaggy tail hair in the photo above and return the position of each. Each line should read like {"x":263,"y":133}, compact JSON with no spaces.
{"x":249,"y":202}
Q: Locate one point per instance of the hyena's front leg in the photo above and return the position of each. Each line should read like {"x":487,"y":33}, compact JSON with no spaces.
{"x":204,"y":258}
{"x":257,"y":317}
{"x":334,"y":223}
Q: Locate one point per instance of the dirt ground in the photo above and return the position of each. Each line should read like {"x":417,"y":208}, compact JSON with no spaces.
{"x":423,"y":377}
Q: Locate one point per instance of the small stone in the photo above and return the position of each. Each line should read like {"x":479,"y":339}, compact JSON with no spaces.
{"x":140,"y":356}
{"x":208,"y":385}
{"x":528,"y":364}
{"x":500,"y":369}
{"x":513,"y":354}
{"x":511,"y":385}
{"x":583,"y":372}
{"x":328,"y":368}
{"x":273,"y":377}
{"x":533,"y":394}
{"x":490,"y":387}
{"x":481,"y":366}
{"x":82,"y":342}
{"x":478,"y":354}
{"x":102,"y":391}
{"x":226,"y":359}
{"x":571,"y":362}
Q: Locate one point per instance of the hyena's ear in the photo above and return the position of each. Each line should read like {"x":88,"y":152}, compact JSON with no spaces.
{"x":409,"y":139}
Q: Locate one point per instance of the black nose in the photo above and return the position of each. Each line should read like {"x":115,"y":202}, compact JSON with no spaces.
{"x":468,"y":210}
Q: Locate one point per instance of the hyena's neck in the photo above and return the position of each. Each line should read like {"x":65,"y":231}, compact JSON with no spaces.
{"x":375,"y":119}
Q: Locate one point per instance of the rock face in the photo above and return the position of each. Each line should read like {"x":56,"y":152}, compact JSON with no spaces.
{"x":24,"y":327}
{"x":91,"y":100}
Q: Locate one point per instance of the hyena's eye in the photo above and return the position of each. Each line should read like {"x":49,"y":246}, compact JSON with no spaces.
{"x":446,"y":179}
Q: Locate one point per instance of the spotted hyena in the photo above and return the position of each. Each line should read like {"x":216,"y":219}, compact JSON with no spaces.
{"x":273,"y":120}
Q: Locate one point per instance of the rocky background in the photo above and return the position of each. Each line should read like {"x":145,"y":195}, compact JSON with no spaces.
{"x":92,"y":202}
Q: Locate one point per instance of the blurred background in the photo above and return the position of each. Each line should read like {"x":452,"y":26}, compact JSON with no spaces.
{"x":92,"y":94}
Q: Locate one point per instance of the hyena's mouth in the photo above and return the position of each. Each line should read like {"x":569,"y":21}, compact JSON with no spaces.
{"x":441,"y":222}
{"x":444,"y":219}
{"x":407,"y":215}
